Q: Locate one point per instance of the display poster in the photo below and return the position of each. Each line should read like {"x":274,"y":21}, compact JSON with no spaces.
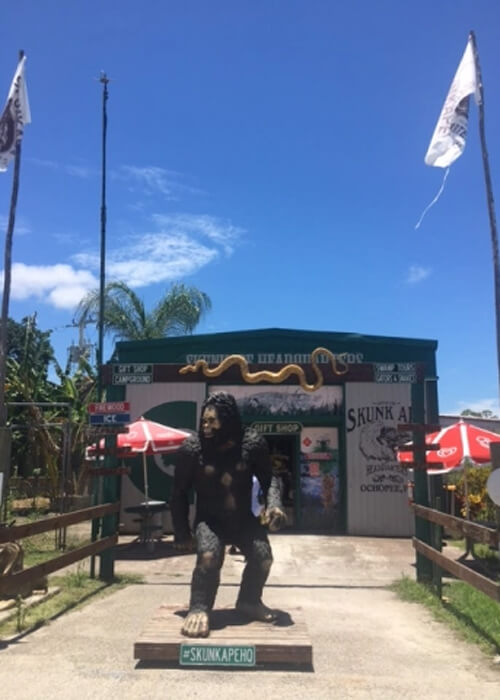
{"x":319,"y":479}
{"x":265,"y":401}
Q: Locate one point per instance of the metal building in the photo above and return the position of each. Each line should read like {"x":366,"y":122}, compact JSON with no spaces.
{"x":333,"y":445}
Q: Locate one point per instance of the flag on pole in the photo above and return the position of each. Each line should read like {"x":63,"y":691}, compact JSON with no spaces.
{"x":448,"y":139}
{"x":15,"y":115}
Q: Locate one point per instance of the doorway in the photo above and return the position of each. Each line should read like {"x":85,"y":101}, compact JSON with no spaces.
{"x":284,"y":459}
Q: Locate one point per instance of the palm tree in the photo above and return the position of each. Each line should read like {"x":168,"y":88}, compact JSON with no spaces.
{"x":177,"y":313}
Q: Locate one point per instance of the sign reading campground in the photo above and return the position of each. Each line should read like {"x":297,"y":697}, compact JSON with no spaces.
{"x":134,"y":373}
{"x":216,"y":655}
{"x":396,"y":372}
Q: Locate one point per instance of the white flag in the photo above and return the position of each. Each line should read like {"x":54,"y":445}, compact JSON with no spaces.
{"x":15,"y":115}
{"x":448,"y":139}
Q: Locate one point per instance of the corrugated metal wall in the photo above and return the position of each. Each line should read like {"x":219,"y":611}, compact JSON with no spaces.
{"x":377,"y":501}
{"x":143,"y":397}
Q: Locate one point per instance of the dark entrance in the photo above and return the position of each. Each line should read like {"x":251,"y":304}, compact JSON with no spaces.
{"x":284,"y":457}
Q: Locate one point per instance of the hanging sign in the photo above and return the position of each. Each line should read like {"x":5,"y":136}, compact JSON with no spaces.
{"x":109,"y":407}
{"x":135,"y":373}
{"x":279,"y":428}
{"x":395,"y":372}
{"x":109,"y":418}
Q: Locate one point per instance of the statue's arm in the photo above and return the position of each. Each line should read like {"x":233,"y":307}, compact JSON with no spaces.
{"x":274,"y":514}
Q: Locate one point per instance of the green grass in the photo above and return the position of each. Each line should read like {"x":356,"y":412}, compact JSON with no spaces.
{"x":41,"y":548}
{"x":470,"y":613}
{"x":77,"y":589}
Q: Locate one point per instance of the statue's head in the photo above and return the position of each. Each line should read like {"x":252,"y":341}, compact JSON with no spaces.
{"x":220,"y":420}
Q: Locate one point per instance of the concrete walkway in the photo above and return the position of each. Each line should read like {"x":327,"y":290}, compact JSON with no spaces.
{"x":366,"y":642}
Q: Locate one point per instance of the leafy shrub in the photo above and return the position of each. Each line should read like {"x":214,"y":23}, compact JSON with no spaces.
{"x":481,"y":507}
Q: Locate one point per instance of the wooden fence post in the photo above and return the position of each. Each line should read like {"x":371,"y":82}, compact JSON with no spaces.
{"x":422,"y":527}
{"x":495,"y":463}
{"x":437,"y":543}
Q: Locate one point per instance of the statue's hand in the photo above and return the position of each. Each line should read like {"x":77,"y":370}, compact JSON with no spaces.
{"x":274,"y":518}
{"x":188,"y":545}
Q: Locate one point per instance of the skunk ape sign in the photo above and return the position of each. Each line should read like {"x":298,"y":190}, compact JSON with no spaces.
{"x":376,"y":481}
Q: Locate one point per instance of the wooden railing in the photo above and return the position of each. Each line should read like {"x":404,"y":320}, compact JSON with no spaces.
{"x":470,"y":530}
{"x":35,"y":573}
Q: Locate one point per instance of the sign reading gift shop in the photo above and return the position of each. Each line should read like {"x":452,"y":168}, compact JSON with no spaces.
{"x":278,"y":428}
{"x":134,"y":373}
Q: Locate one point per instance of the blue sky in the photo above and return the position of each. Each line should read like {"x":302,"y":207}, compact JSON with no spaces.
{"x":270,"y":153}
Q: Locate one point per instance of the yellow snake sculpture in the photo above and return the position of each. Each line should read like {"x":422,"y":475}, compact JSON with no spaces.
{"x":338,"y":363}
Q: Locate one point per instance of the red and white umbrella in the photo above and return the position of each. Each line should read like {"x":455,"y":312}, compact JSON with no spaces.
{"x":146,"y":437}
{"x":459,"y":443}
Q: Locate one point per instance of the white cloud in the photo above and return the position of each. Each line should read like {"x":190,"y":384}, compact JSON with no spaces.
{"x":478,"y":405}
{"x":183,"y":244}
{"x":159,"y":257}
{"x":221,"y":233}
{"x":71,"y":169}
{"x":78,"y":170}
{"x":151,"y":180}
{"x":180,"y":246}
{"x":417,"y":273}
{"x":21,"y":227}
{"x":61,"y":285}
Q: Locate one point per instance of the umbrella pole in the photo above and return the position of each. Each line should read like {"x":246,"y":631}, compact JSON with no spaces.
{"x":146,"y":486}
{"x":466,"y":491}
{"x":468,"y":540}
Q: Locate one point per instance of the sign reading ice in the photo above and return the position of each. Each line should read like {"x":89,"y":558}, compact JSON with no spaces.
{"x":216,"y":655}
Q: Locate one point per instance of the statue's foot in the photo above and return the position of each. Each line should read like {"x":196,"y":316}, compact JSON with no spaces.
{"x":257,"y":611}
{"x":196,"y":624}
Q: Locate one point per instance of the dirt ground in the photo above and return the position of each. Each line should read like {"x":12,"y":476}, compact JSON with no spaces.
{"x":366,"y":642}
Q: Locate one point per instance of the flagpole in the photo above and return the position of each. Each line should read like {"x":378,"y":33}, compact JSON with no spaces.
{"x":7,"y":278}
{"x":490,"y":200}
{"x":104,"y":80}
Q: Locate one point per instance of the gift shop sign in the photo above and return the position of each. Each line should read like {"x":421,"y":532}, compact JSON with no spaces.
{"x":279,"y":428}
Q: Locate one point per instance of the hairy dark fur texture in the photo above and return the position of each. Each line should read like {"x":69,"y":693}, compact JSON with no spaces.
{"x":221,"y":474}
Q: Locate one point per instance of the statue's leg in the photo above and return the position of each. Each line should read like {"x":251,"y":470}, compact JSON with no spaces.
{"x":205,"y":581}
{"x":257,"y":550}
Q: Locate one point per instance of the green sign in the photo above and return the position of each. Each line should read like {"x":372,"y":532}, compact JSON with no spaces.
{"x":216,"y":655}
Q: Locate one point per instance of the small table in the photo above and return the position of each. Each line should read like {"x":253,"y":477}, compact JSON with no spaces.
{"x":147,"y":510}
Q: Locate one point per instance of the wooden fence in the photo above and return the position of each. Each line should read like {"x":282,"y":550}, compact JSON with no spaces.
{"x":35,"y":573}
{"x":471,"y":531}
